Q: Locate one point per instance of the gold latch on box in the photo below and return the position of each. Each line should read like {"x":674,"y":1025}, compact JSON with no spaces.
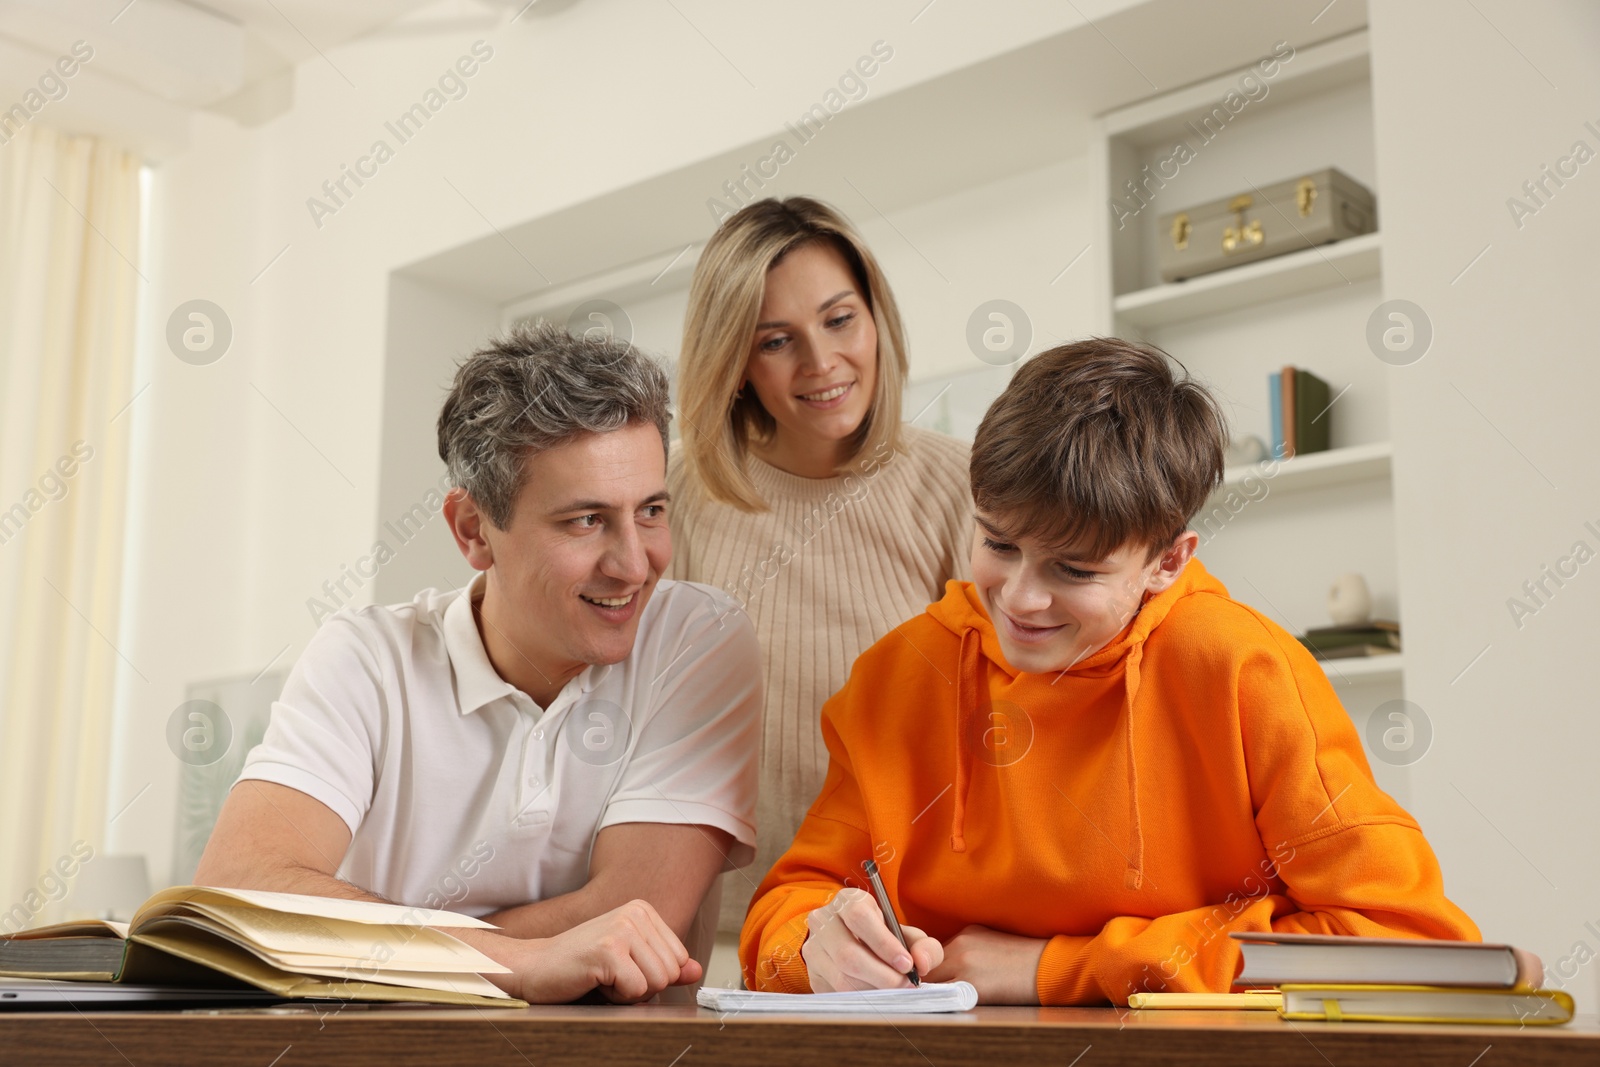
{"x":1180,"y":231}
{"x":1241,"y":234}
{"x":1305,"y":194}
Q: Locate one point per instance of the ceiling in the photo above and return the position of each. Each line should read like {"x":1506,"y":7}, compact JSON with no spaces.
{"x":211,"y":54}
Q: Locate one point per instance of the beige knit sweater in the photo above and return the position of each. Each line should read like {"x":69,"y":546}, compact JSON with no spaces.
{"x":832,"y":567}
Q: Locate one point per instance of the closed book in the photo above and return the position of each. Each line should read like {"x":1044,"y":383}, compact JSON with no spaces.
{"x":1354,"y":627}
{"x":1276,"y":959}
{"x":291,"y":945}
{"x":1275,"y":412}
{"x":1312,"y":413}
{"x":1424,"y":1004}
{"x":1327,"y":642}
{"x":1291,"y":428}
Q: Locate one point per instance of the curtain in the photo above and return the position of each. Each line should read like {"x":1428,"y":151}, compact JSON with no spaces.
{"x":69,"y":245}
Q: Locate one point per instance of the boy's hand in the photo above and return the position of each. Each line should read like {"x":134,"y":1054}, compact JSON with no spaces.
{"x":1003,"y":967}
{"x":629,"y":953}
{"x":849,"y":947}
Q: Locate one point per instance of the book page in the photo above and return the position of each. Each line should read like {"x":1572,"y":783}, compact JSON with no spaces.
{"x":357,"y":911}
{"x":309,"y":940}
{"x":152,"y":950}
{"x":472,"y":984}
{"x":77,"y":928}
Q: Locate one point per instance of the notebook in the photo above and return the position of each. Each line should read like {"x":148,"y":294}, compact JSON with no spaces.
{"x":928,"y":997}
{"x":20,"y":994}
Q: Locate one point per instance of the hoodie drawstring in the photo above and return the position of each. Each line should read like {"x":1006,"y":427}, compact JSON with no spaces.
{"x":968,"y":682}
{"x":1133,"y":877}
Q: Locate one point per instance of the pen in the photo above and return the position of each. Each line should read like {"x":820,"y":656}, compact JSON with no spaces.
{"x":1257,"y":1000}
{"x":888,"y":914}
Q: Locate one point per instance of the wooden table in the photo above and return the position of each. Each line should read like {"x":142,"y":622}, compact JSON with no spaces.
{"x":674,"y":1036}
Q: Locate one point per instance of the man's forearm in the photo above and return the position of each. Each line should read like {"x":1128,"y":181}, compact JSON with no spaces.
{"x":670,"y":866}
{"x":289,"y":878}
{"x":547,"y":918}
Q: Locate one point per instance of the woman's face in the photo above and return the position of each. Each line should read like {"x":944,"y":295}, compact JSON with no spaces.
{"x":814,"y":359}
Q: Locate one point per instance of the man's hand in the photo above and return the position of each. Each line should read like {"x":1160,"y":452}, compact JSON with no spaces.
{"x":1003,"y":967}
{"x":629,"y":954}
{"x":848,"y":946}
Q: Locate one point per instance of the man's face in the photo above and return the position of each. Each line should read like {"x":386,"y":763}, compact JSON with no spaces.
{"x":1051,"y":609}
{"x":586,"y":544}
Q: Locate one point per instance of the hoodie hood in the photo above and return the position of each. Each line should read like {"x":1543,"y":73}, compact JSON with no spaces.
{"x":962,"y":613}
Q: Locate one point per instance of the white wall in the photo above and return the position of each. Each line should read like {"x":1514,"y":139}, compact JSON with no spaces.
{"x":1494,"y":437}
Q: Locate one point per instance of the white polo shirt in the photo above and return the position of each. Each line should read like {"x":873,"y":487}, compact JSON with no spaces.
{"x":461,"y":792}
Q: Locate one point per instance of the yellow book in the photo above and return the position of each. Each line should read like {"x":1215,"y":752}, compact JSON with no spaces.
{"x":1425,"y":1004}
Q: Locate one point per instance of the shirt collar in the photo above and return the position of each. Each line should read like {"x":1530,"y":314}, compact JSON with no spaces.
{"x":477,"y":683}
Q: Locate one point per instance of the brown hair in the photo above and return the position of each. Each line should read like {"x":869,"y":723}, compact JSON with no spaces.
{"x":1098,"y":443}
{"x":724,"y":306}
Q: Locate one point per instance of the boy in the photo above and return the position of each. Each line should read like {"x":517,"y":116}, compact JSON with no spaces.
{"x":1080,"y":771}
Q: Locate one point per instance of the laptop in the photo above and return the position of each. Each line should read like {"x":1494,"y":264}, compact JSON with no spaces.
{"x":28,"y":994}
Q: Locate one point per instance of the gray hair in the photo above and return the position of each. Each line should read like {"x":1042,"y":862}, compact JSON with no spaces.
{"x":534,"y":389}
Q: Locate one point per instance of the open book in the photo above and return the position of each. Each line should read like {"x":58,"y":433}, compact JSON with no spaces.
{"x":928,"y":997}
{"x":292,"y":945}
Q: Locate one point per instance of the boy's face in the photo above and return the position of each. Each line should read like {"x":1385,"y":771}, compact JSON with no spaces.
{"x":1051,"y":609}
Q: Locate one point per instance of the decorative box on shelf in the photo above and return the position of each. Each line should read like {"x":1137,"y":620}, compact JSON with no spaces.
{"x":1317,"y":208}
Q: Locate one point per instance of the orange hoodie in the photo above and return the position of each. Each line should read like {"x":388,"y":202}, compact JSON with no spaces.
{"x":1195,"y":776}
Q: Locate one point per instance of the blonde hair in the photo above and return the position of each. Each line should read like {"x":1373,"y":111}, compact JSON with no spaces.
{"x":725,"y":297}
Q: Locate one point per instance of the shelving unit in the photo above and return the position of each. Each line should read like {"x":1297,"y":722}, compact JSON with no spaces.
{"x":1307,"y":271}
{"x":1318,"y":470}
{"x":1275,"y":532}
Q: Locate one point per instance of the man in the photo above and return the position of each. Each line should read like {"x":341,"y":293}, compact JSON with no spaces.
{"x":566,"y":747}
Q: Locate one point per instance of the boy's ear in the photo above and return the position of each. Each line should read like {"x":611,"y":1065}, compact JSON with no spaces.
{"x":468,"y":525}
{"x":1171,"y":562}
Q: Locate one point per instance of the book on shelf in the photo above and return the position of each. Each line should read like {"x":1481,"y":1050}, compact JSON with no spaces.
{"x":1331,"y":646}
{"x":1291,"y":438}
{"x":1275,"y":415}
{"x":1331,"y":978}
{"x":1311,"y":404}
{"x":292,"y":945}
{"x":1298,"y":403}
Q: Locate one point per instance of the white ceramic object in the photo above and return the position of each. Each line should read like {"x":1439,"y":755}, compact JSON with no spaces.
{"x":1349,"y":601}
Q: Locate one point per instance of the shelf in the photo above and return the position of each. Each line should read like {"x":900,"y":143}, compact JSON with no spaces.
{"x":1316,"y":470}
{"x":1324,"y":267}
{"x":1384,"y":668}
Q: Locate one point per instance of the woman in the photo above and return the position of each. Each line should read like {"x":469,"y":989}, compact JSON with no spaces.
{"x":797,"y":488}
